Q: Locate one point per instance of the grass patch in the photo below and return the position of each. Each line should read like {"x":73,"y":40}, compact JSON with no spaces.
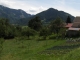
{"x":24,"y":49}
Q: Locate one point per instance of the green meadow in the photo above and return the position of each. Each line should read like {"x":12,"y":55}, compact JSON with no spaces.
{"x":39,"y":49}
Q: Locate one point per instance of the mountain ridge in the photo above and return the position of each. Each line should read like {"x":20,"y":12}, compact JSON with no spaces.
{"x":12,"y":14}
{"x":48,"y":15}
{"x":20,"y":17}
{"x":52,"y":14}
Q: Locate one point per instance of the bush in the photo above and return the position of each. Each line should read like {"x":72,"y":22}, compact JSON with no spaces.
{"x":9,"y":33}
{"x":53,"y":36}
{"x":44,"y":33}
{"x":28,"y":32}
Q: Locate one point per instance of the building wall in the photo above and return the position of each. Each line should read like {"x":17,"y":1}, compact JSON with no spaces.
{"x":72,"y":33}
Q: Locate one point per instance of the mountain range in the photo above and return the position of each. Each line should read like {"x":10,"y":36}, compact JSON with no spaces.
{"x":52,"y":14}
{"x":12,"y":14}
{"x":20,"y":17}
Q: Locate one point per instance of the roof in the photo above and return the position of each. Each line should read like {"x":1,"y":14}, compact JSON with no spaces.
{"x":77,"y":29}
{"x":69,"y":25}
{"x":75,"y":25}
{"x":76,"y":22}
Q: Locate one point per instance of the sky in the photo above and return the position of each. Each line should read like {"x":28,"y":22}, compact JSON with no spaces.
{"x":36,"y":6}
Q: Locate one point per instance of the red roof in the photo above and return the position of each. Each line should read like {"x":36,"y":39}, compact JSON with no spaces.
{"x":69,"y":25}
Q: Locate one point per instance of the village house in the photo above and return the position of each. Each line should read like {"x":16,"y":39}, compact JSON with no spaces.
{"x":73,"y":28}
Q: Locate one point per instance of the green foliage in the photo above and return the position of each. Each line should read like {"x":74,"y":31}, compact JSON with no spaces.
{"x":18,"y":30}
{"x":56,"y":25}
{"x":53,"y":36}
{"x":7,"y":31}
{"x":3,"y":24}
{"x":26,"y":31}
{"x":68,"y":20}
{"x":62,"y":32}
{"x":44,"y":32}
{"x":35,"y":24}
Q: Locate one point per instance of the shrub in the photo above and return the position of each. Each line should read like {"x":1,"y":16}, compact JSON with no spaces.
{"x":28,"y":32}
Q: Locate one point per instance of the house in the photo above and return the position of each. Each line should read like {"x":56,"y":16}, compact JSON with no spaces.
{"x":73,"y":28}
{"x":73,"y":32}
{"x":76,"y":22}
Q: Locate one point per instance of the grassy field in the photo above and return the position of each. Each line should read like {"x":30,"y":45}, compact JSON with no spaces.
{"x":54,"y":49}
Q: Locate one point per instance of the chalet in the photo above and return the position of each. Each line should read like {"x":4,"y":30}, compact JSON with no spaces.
{"x":76,"y":22}
{"x":73,"y":28}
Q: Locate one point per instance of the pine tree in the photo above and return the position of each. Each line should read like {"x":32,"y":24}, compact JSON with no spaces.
{"x":68,"y":20}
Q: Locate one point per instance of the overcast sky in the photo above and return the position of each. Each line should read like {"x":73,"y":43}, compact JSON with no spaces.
{"x":36,"y":6}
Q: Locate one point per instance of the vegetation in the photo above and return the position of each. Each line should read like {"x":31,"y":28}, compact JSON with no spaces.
{"x":44,"y":32}
{"x":73,"y":55}
{"x":26,"y":31}
{"x":56,"y":25}
{"x":35,"y":24}
{"x":36,"y":41}
{"x":51,"y":49}
{"x":68,"y":20}
{"x":6,"y":30}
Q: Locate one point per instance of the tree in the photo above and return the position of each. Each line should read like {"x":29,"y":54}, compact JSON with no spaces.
{"x":6,"y":30}
{"x":56,"y":25}
{"x":62,"y":32}
{"x":68,"y":20}
{"x":9,"y":32}
{"x":35,"y":24}
{"x":18,"y":30}
{"x":3,"y":25}
{"x":44,"y":32}
{"x":28,"y":32}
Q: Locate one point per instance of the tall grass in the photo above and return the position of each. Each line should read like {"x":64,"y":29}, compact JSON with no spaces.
{"x":34,"y":49}
{"x":73,"y":55}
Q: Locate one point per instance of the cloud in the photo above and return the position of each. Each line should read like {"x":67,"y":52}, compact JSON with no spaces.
{"x":24,"y":5}
{"x":32,"y":11}
{"x":3,"y":3}
{"x":35,"y":10}
{"x":36,"y":6}
{"x":67,"y":6}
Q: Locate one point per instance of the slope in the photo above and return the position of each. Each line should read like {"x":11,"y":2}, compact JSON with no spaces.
{"x":12,"y":14}
{"x":52,"y":14}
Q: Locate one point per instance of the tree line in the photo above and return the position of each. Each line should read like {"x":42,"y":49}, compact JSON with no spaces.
{"x":35,"y":26}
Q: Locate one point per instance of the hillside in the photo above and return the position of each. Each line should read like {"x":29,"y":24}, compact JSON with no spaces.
{"x":20,"y":17}
{"x":12,"y":14}
{"x":47,"y":16}
{"x":52,"y":14}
